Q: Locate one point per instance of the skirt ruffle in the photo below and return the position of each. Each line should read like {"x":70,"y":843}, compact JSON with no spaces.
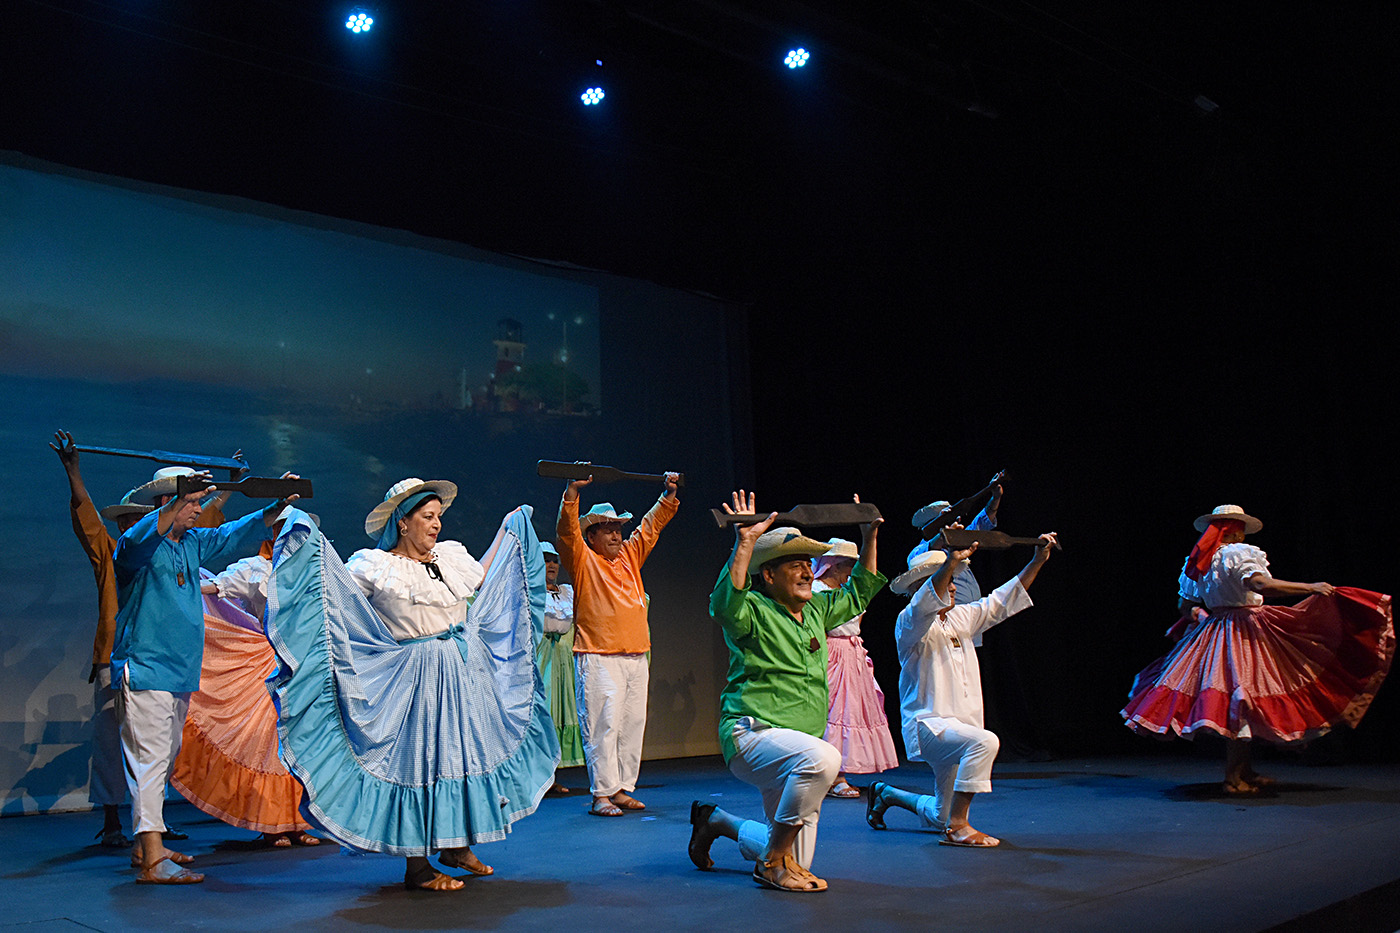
{"x":416,"y":747}
{"x":228,"y":765}
{"x":855,"y":722}
{"x":1279,"y":673}
{"x":556,"y":663}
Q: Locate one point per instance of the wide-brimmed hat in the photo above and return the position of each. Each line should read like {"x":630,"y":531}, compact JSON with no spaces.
{"x":1232,"y":513}
{"x":602,"y":512}
{"x":783,"y":542}
{"x":929,"y":512}
{"x":124,"y":507}
{"x":162,"y":484}
{"x":921,"y":567}
{"x":548,"y":549}
{"x":840,"y":547}
{"x":379,"y":515}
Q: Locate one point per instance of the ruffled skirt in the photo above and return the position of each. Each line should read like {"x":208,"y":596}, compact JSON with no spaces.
{"x":228,"y":765}
{"x":855,"y":722}
{"x":416,"y":747}
{"x":1281,"y":673}
{"x":556,"y":663}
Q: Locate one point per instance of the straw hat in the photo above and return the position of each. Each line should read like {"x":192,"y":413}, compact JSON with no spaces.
{"x":840,"y":547}
{"x":1231,"y":512}
{"x":602,"y":512}
{"x":124,"y":507}
{"x":929,"y":512}
{"x":162,"y":484}
{"x":783,"y":542}
{"x":379,"y":515}
{"x":921,"y":567}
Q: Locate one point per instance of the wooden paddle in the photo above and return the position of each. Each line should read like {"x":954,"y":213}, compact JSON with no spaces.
{"x":557,"y":469}
{"x":254,"y":487}
{"x":958,"y":539}
{"x":810,"y":516}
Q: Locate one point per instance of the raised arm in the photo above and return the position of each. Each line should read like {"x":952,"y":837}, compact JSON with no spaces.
{"x":868,"y":532}
{"x":1042,"y":554}
{"x":669,"y":482}
{"x":221,"y":499}
{"x":744,"y":537}
{"x":63,"y":445}
{"x":1266,"y":585}
{"x":274,"y":509}
{"x":949,"y":568}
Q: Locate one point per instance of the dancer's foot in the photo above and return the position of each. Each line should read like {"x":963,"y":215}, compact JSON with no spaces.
{"x":702,"y":836}
{"x":965,"y":835}
{"x":179,"y":858}
{"x":603,"y":806}
{"x":465,"y":859}
{"x":277,"y":840}
{"x":876,"y":805}
{"x":421,"y":876}
{"x":784,"y":874}
{"x":627,"y":802}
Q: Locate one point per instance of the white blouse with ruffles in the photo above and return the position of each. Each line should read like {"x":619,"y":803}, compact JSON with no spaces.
{"x":246,"y":581}
{"x":412,"y":603}
{"x":559,"y":610}
{"x":1223,"y":585}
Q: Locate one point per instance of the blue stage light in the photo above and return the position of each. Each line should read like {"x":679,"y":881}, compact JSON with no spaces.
{"x":592,"y":96}
{"x":797,"y":58}
{"x":359,"y":21}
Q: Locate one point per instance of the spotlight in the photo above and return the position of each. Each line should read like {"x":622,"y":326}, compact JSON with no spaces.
{"x":797,"y":58}
{"x":592,"y":96}
{"x":359,"y":21}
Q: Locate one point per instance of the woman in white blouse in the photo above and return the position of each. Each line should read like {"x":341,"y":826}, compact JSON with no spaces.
{"x":1250,"y":671}
{"x":555,"y":659}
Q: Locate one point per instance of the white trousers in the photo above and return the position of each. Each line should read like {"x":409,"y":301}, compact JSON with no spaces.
{"x":793,"y":771}
{"x":611,"y":692}
{"x":152,"y":722}
{"x":107,"y":778}
{"x":961,"y":757}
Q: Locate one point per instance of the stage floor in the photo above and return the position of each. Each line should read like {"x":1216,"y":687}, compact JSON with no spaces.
{"x":1090,"y":844}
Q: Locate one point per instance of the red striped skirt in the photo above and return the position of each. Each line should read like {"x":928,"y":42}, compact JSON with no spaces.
{"x":1280,"y":673}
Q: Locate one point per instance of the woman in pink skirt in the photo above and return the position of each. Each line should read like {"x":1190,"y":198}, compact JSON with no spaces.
{"x":855,"y":721}
{"x":1250,"y":671}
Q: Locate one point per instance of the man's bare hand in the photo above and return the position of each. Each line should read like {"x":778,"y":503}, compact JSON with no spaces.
{"x":572,"y":488}
{"x":743,"y":504}
{"x":63,"y":445}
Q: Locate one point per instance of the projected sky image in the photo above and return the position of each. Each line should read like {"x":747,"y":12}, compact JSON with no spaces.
{"x":116,"y":285}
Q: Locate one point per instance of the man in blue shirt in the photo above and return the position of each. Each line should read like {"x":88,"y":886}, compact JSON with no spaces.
{"x":160,"y":646}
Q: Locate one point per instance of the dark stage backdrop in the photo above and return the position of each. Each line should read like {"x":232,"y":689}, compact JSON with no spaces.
{"x":140,"y":317}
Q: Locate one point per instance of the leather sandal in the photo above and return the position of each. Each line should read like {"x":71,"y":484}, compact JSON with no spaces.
{"x":167,"y":872}
{"x":875,"y":818}
{"x":699,"y":847}
{"x":417,"y":879}
{"x":468,"y":862}
{"x":606,"y":809}
{"x":179,"y":858}
{"x":843,"y":790}
{"x":784,"y":874}
{"x":973,"y":840}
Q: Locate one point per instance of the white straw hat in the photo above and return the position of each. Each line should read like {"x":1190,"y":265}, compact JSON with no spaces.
{"x":783,"y":542}
{"x":124,"y":507}
{"x":1231,"y":512}
{"x":162,"y":484}
{"x":921,"y":567}
{"x":379,"y":515}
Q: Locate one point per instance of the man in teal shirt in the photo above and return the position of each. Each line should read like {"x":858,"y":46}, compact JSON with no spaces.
{"x":773,"y":708}
{"x":159,"y":648}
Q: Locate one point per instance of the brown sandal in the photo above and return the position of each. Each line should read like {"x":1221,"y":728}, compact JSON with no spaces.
{"x":167,"y":872}
{"x":784,"y":874}
{"x":452,"y":858}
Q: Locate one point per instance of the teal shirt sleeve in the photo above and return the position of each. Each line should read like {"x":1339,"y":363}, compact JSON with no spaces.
{"x":137,"y":546}
{"x":231,"y":540}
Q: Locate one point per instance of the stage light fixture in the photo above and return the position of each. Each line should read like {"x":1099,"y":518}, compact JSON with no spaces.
{"x":592,"y":96}
{"x":360,"y":21}
{"x":797,"y":58}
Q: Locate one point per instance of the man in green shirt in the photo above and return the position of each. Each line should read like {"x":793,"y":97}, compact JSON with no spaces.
{"x":773,"y":708}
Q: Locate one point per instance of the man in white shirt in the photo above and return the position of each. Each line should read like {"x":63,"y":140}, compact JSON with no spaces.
{"x":940,"y":690}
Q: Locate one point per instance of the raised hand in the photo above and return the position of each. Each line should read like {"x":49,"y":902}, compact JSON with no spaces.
{"x":63,"y":445}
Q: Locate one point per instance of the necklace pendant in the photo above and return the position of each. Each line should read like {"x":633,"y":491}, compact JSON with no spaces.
{"x":180,"y":578}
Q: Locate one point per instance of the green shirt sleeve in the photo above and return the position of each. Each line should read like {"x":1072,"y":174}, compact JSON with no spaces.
{"x":731,"y":608}
{"x":841,"y":605}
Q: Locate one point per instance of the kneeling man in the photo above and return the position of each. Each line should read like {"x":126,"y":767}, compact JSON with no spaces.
{"x":773,"y":708}
{"x":940,"y":690}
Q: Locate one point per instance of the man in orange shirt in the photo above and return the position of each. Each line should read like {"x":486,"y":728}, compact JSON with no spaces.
{"x":611,"y":638}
